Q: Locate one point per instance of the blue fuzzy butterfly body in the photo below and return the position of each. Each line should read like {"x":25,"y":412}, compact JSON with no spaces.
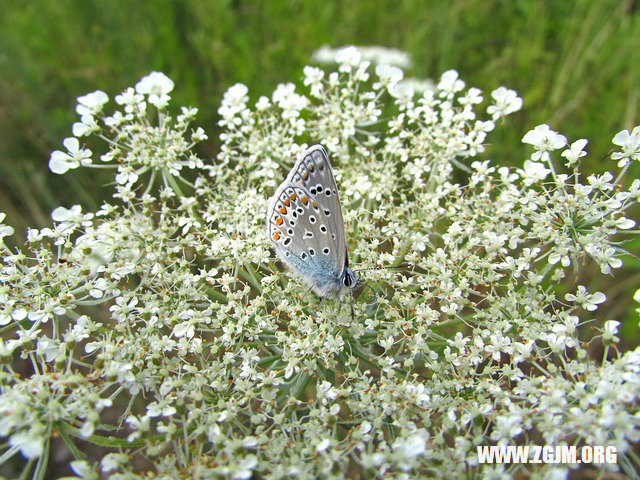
{"x":306,"y":228}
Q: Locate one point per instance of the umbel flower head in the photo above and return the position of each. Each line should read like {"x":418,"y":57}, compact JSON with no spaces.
{"x":161,"y":326}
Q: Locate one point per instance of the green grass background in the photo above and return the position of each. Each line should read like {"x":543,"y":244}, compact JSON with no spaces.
{"x":576,"y":63}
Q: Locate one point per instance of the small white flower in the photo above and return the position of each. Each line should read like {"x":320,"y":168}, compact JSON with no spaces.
{"x":610,"y":331}
{"x":534,"y":172}
{"x":450,"y":83}
{"x":388,"y":75}
{"x":412,"y":446}
{"x":285,"y":97}
{"x":236,"y":95}
{"x":85,"y":126}
{"x":575,"y":151}
{"x":245,"y":468}
{"x":364,"y":428}
{"x":67,"y":215}
{"x":506,"y":101}
{"x":401,"y":91}
{"x":323,"y":445}
{"x":156,"y":85}
{"x":386,"y":343}
{"x":30,"y":442}
{"x":198,"y":135}
{"x":544,"y":140}
{"x":494,"y":242}
{"x":91,"y":104}
{"x":113,"y":121}
{"x":98,"y":288}
{"x":60,"y":161}
{"x":80,"y":330}
{"x":603,"y":182}
{"x":312,"y":75}
{"x":263,"y":103}
{"x":372,"y":460}
{"x":348,"y":57}
{"x":129,"y":98}
{"x":112,"y":461}
{"x":184,"y":329}
{"x":555,"y":257}
{"x":313,"y":78}
{"x":87,"y":429}
{"x":586,"y":300}
{"x":50,"y":349}
{"x":624,"y":223}
{"x":5,"y":230}
{"x":83,"y":469}
{"x":126,"y":175}
{"x":630,"y":143}
{"x":326,"y":390}
{"x":5,"y":317}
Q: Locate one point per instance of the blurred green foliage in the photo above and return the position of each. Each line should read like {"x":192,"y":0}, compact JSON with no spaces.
{"x":576,"y":63}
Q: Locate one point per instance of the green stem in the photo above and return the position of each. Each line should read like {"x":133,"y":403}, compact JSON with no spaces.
{"x":27,"y":469}
{"x":64,"y":434}
{"x":217,"y":295}
{"x":109,"y":441}
{"x":41,"y":466}
{"x":247,"y":275}
{"x":301,"y":386}
{"x":269,"y":360}
{"x":8,"y":454}
{"x":172,"y":181}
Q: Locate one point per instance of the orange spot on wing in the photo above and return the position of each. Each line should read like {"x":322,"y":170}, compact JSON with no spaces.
{"x":293,"y":197}
{"x":283,"y":211}
{"x":276,"y":237}
{"x":304,"y":199}
{"x":305,"y":175}
{"x":286,"y":202}
{"x":279,"y":221}
{"x":314,"y":204}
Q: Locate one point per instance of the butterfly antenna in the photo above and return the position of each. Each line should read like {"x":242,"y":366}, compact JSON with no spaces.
{"x":401,"y":265}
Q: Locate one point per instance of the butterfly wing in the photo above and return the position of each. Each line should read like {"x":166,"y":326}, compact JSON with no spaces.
{"x":305,"y":225}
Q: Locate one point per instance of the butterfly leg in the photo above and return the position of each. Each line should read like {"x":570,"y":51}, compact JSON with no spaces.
{"x":353,"y":315}
{"x":322,"y":299}
{"x":307,"y":292}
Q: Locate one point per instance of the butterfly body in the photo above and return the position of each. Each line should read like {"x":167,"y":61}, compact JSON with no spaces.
{"x":306,"y":228}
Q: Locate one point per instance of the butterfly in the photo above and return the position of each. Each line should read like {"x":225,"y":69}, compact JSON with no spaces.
{"x":305,"y":226}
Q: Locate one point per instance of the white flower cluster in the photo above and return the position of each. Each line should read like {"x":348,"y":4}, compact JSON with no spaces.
{"x":137,"y":143}
{"x":161,"y":327}
{"x":373,"y":54}
{"x":379,"y":56}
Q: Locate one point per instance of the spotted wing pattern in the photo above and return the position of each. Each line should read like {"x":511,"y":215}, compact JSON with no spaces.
{"x":305,"y":225}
